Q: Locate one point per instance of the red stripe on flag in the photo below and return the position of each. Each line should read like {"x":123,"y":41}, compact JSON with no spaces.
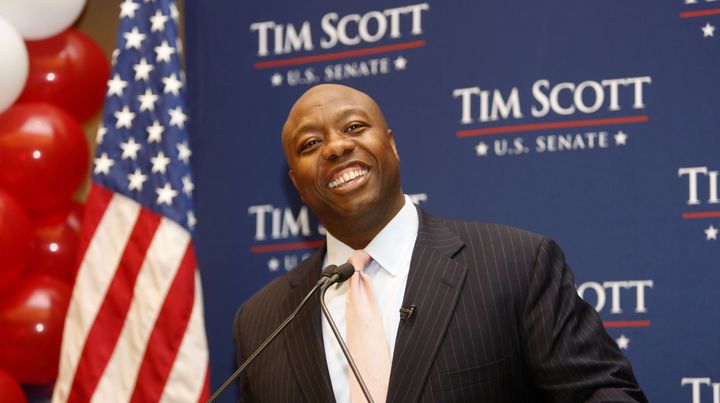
{"x":168,"y":332}
{"x":95,"y":206}
{"x":106,"y":328}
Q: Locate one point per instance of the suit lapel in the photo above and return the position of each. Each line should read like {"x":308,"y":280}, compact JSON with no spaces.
{"x":433,"y":286}
{"x":303,"y":337}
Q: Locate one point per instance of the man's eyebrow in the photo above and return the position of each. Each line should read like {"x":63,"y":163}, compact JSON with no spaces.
{"x":352,"y":111}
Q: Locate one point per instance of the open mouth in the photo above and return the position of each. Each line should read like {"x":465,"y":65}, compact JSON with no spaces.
{"x":347,"y":177}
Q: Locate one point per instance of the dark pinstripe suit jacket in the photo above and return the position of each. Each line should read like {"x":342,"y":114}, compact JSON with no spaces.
{"x":497,"y":320}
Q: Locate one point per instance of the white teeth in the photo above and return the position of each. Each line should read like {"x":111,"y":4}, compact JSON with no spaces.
{"x":347,"y":176}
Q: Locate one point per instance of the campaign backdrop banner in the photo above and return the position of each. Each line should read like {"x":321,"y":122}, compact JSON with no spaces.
{"x":594,"y":123}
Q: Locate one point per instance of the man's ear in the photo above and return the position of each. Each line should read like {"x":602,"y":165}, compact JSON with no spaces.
{"x":391,"y":139}
{"x":291,"y":174}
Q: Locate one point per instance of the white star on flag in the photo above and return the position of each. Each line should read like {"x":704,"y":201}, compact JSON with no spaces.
{"x":147,"y":100}
{"x":177,"y":117}
{"x":142,"y":70}
{"x":124,"y":118}
{"x":166,"y":194}
{"x":136,"y":180}
{"x":158,"y":21}
{"x":128,"y":8}
{"x":481,"y":149}
{"x":620,"y":138}
{"x":101,"y":134}
{"x":159,"y":163}
{"x":130,"y":149}
{"x":708,"y":30}
{"x":103,"y":164}
{"x":188,"y":185}
{"x":133,"y":39}
{"x":191,"y":219}
{"x":116,"y":86}
{"x":184,"y":152}
{"x":623,"y":342}
{"x":163,"y":52}
{"x":155,"y":132}
{"x":172,"y":84}
{"x":711,"y":233}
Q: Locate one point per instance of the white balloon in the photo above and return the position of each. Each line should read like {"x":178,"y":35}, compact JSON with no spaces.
{"x":14,"y":65}
{"x":40,"y":19}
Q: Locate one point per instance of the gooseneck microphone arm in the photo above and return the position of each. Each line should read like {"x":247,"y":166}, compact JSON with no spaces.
{"x":343,"y":346}
{"x":330,"y":276}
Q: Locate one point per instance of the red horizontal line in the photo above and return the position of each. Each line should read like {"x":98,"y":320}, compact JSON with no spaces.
{"x":551,"y":125}
{"x":286,"y":246}
{"x":339,"y":55}
{"x":702,"y":214}
{"x":627,"y":323}
{"x":700,"y":13}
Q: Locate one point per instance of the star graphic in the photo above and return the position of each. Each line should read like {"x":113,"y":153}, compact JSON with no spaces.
{"x":163,"y":52}
{"x":708,"y":30}
{"x":124,"y":118}
{"x":159,"y":163}
{"x":134,"y":38}
{"x":128,"y":8}
{"x":177,"y":117}
{"x":188,"y":185}
{"x":136,"y":180}
{"x":116,"y":86}
{"x":481,"y":149}
{"x":273,"y":264}
{"x":276,"y":79}
{"x":142,"y":70}
{"x":711,"y":233}
{"x":130,"y":149}
{"x":620,"y":138}
{"x":400,"y":63}
{"x":155,"y":132}
{"x":172,"y":84}
{"x":166,"y":194}
{"x":103,"y":164}
{"x":102,"y":131}
{"x":147,"y":100}
{"x":158,"y":21}
{"x":192,"y":221}
{"x":174,"y":13}
{"x":114,"y":56}
{"x":623,"y":342}
{"x":184,"y":152}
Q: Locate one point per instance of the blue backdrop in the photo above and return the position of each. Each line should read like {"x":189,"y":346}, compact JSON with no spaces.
{"x":592,"y":122}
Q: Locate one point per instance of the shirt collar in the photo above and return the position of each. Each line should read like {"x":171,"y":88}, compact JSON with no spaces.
{"x":388,"y":247}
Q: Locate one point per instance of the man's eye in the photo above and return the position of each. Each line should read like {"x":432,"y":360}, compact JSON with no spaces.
{"x":309,"y":144}
{"x":353,"y":127}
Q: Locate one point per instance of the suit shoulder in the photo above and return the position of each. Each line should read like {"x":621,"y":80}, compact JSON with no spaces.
{"x":473,"y":231}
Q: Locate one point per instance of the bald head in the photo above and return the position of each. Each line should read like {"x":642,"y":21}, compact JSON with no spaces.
{"x":320,"y":98}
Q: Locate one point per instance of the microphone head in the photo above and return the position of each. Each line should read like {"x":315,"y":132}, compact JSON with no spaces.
{"x":329,"y":271}
{"x":344,"y":272}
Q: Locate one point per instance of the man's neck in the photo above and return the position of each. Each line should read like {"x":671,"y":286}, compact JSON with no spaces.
{"x":357,"y":232}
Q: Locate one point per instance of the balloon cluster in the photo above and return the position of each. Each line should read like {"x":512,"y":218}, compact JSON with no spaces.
{"x":52,"y":78}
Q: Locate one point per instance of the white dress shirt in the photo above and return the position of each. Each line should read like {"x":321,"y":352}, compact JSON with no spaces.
{"x":391,"y":251}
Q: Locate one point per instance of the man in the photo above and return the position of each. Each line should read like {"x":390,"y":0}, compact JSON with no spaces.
{"x":495,"y":316}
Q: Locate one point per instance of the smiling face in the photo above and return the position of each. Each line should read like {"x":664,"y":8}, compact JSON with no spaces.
{"x":343,"y":161}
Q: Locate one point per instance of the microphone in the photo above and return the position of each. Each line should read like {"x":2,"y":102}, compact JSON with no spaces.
{"x":337,"y":274}
{"x":330,"y":275}
{"x":343,"y":272}
{"x":407,"y":312}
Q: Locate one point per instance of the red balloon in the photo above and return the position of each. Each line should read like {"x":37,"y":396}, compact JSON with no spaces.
{"x":15,"y":239}
{"x":10,"y":390}
{"x":43,"y":155}
{"x":54,"y":250}
{"x":32,"y":314}
{"x":68,"y":70}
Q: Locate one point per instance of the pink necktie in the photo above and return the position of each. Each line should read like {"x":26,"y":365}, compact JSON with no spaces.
{"x":366,"y":338}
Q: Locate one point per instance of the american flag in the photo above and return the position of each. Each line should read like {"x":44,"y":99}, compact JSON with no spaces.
{"x":135,"y":330}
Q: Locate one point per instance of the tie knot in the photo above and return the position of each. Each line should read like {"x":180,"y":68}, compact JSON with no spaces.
{"x":360,"y":260}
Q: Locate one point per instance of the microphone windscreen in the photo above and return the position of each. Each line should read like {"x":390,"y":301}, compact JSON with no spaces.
{"x":345,"y":270}
{"x":329,"y":271}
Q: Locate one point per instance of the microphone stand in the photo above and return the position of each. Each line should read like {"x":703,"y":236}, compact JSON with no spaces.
{"x":343,"y":346}
{"x":267,"y":341}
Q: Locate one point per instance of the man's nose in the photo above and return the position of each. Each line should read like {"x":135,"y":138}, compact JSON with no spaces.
{"x":337,"y":145}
